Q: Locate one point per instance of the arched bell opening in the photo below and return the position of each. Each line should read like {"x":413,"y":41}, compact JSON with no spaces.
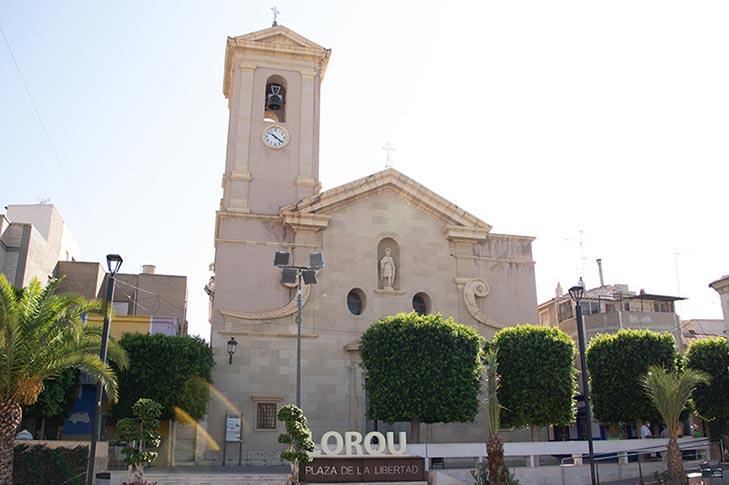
{"x":275,"y":99}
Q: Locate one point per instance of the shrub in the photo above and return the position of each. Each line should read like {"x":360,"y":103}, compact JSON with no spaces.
{"x":36,"y":464}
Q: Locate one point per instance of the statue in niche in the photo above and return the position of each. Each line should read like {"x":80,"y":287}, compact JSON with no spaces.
{"x":387,"y":270}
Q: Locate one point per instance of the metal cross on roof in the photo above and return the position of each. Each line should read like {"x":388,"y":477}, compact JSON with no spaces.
{"x":389,"y":150}
{"x":275,"y":16}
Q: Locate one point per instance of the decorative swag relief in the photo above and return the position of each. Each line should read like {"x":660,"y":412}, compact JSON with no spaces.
{"x":288,"y":309}
{"x":473,"y":288}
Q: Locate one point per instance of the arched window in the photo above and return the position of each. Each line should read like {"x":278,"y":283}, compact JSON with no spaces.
{"x":421,"y":303}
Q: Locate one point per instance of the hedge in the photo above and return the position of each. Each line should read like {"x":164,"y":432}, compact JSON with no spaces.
{"x":38,"y":464}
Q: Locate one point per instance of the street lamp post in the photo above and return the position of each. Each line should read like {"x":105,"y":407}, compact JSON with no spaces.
{"x":295,"y":274}
{"x":576,"y":293}
{"x":113,"y":262}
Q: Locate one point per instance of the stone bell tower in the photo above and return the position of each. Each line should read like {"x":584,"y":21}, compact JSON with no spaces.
{"x":272,"y":80}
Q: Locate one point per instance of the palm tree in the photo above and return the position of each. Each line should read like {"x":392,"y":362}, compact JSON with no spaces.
{"x":41,"y":334}
{"x":670,"y":391}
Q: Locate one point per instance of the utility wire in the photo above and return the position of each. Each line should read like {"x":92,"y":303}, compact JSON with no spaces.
{"x":48,"y":138}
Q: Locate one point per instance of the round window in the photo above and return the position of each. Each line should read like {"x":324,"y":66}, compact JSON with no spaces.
{"x":355,"y":301}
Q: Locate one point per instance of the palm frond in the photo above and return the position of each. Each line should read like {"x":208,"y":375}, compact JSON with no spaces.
{"x":670,"y":391}
{"x":41,"y":334}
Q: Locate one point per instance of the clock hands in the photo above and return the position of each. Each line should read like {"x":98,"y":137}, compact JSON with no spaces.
{"x":275,"y":137}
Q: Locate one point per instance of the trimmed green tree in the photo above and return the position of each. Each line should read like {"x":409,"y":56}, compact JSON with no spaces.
{"x":422,"y":369}
{"x":710,"y":356}
{"x":616,"y":364}
{"x":669,"y":392}
{"x":298,"y":439}
{"x":56,"y":400}
{"x":140,"y":434}
{"x":174,"y":371}
{"x":41,"y":335}
{"x":538,"y":378}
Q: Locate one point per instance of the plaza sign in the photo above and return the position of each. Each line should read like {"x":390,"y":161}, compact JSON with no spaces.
{"x":353,"y":444}
{"x":374,"y":457}
{"x":363,"y":469}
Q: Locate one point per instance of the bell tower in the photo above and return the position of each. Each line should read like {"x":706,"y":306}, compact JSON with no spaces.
{"x":272,"y":83}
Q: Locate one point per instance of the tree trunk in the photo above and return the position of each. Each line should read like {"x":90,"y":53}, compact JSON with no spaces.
{"x":674,"y":464}
{"x":495,"y":457}
{"x":10,"y":416}
{"x":415,"y":431}
{"x":293,"y":478}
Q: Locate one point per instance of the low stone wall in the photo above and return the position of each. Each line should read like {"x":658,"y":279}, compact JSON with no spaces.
{"x":561,"y":475}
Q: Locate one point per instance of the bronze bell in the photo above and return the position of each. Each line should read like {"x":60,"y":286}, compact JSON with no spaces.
{"x":274,"y":97}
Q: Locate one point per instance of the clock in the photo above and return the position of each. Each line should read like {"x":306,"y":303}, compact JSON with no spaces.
{"x":275,"y":137}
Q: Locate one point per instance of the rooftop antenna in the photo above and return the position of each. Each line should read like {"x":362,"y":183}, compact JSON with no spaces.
{"x":389,"y":150}
{"x":582,"y":252}
{"x":678,"y":282}
{"x":275,"y":16}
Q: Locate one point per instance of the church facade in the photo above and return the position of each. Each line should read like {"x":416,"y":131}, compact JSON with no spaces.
{"x":389,"y":245}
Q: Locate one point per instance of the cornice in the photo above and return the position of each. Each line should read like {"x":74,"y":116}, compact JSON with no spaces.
{"x":511,"y":237}
{"x":274,"y":244}
{"x":494,"y":260}
{"x":466,"y":234}
{"x":721,"y":285}
{"x":246,"y":215}
{"x":306,"y":222}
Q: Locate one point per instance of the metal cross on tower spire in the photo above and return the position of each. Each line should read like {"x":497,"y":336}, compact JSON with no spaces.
{"x":275,"y":15}
{"x":389,"y":150}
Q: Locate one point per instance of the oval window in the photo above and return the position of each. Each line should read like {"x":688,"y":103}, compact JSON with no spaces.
{"x":355,"y":301}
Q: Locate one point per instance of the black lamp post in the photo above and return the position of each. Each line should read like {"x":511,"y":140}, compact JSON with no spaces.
{"x":576,"y":293}
{"x":232,"y":344}
{"x":113,"y":262}
{"x":295,"y":274}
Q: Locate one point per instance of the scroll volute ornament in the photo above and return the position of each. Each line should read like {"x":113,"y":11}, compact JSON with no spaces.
{"x":473,"y":288}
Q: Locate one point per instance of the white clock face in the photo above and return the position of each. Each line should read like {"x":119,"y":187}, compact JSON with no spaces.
{"x":276,"y":137}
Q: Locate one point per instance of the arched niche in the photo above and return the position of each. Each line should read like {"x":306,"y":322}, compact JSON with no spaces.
{"x":388,"y":264}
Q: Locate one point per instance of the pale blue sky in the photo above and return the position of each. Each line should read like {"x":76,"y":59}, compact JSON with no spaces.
{"x":541,"y":118}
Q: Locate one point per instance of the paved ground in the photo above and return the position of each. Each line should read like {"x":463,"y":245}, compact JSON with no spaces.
{"x":649,"y":480}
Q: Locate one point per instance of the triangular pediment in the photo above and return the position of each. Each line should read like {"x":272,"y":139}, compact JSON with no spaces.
{"x":275,"y":42}
{"x":405,"y":187}
{"x":276,"y":35}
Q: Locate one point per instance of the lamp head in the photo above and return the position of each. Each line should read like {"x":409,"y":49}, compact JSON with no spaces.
{"x":232,"y":343}
{"x":316,"y":261}
{"x":288,"y":275}
{"x":309,"y":276}
{"x":576,"y":293}
{"x":113,"y":262}
{"x":281,"y":259}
